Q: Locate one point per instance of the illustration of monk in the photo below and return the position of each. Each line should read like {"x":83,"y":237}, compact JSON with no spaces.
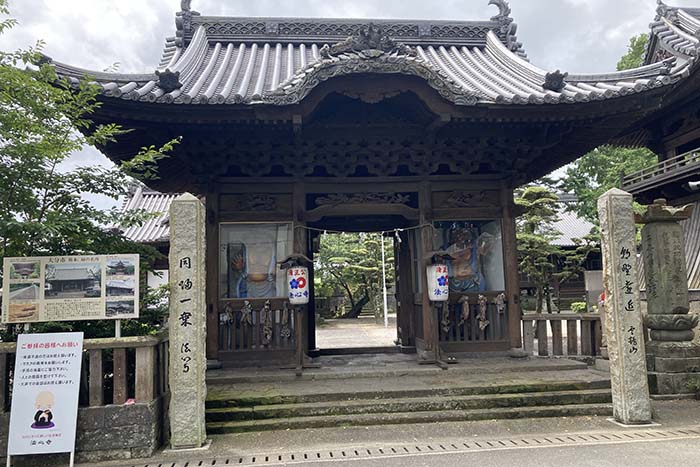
{"x":43,"y":418}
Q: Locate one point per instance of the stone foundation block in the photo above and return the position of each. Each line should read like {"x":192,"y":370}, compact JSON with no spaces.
{"x":673,"y":349}
{"x":677,"y":365}
{"x":113,"y":432}
{"x":670,"y":383}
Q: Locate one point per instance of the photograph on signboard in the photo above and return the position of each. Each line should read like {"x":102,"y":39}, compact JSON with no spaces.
{"x":23,"y":312}
{"x":24,"y":292}
{"x":73,"y":280}
{"x":121,"y":267}
{"x":121,"y":287}
{"x":25,"y":270}
{"x":119,"y":308}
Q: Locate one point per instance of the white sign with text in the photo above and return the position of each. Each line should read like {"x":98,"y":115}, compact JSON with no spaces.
{"x":44,"y":408}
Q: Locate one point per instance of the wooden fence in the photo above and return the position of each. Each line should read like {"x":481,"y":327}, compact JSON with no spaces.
{"x":257,"y":328}
{"x":460,"y":325}
{"x":583,"y":334}
{"x":114,"y":370}
{"x":682,"y":165}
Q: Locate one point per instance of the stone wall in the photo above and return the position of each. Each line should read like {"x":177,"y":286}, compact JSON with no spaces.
{"x":113,"y":432}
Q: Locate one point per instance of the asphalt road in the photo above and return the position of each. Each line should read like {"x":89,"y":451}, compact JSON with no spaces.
{"x":684,"y":453}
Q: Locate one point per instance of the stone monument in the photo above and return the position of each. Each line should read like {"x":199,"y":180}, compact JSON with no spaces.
{"x":628,"y":372}
{"x":188,"y":361}
{"x":672,"y":357}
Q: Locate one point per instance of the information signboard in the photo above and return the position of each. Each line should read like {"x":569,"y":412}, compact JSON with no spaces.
{"x":70,"y":288}
{"x":45,"y":394}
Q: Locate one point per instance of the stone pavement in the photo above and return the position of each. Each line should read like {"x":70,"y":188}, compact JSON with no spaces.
{"x":572,"y":441}
{"x":363,"y":332}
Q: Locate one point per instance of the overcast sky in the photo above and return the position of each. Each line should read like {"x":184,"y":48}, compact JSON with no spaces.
{"x":571,"y":35}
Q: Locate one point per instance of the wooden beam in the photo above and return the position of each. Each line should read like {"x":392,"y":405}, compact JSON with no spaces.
{"x":145,"y":376}
{"x":510,"y":263}
{"x":428,"y":311}
{"x":212,"y":265}
{"x":557,"y":345}
{"x":4,"y":382}
{"x":572,"y":337}
{"x":120,"y":372}
{"x":542,"y":340}
{"x":96,"y":389}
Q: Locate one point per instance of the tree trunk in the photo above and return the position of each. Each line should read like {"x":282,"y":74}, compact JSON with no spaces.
{"x":357,"y":307}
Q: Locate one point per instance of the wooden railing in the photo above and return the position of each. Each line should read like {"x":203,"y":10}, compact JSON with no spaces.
{"x":461,"y":326}
{"x":583,"y":335}
{"x":241,"y":331}
{"x":113,"y":371}
{"x":688,"y":162}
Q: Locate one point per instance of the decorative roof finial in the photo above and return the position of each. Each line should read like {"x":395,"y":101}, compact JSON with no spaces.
{"x":555,"y":81}
{"x":186,"y":5}
{"x":169,"y":81}
{"x":503,"y":15}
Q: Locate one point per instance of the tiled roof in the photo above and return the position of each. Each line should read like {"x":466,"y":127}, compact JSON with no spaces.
{"x":154,"y":230}
{"x":279,"y":61}
{"x":675,"y":31}
{"x":570,"y":226}
{"x":71,"y":275}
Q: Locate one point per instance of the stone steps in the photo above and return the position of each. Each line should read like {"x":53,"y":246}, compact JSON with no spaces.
{"x":223,"y":398}
{"x":409,"y":405}
{"x":405,"y":400}
{"x":467,"y":368}
{"x":573,"y":410}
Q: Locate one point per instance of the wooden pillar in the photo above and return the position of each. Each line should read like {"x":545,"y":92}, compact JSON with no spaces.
{"x":301,"y":242}
{"x":145,"y":374}
{"x":510,"y":260}
{"x":405,"y":294}
{"x":120,"y":370}
{"x":4,"y":382}
{"x":212,"y":271}
{"x":429,"y":314}
{"x":572,"y":337}
{"x":96,"y":390}
{"x":557,"y":345}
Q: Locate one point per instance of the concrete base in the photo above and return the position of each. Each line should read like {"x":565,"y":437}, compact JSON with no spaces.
{"x":671,"y":366}
{"x":205,"y":447}
{"x":624,"y":425}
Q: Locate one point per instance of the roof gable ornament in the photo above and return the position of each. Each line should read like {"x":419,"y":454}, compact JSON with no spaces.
{"x":504,"y":11}
{"x":371,"y":41}
{"x":555,"y":81}
{"x":665,"y":11}
{"x":183,"y":22}
{"x":169,"y":81}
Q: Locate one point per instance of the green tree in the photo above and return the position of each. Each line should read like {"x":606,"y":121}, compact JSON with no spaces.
{"x":599,"y":171}
{"x":353,"y":262}
{"x":535,"y":236}
{"x":603,"y":168}
{"x":634,"y":58}
{"x":43,"y":206}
